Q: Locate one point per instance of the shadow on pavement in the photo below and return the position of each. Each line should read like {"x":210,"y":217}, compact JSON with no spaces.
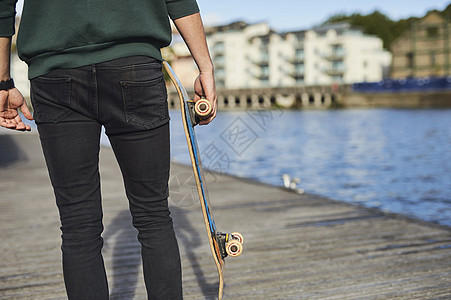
{"x":10,"y":152}
{"x":191,"y":241}
{"x":121,"y":238}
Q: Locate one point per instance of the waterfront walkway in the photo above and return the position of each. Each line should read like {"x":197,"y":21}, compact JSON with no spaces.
{"x":296,"y":246}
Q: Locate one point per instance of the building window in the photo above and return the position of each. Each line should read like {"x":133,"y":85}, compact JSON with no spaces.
{"x":299,"y":68}
{"x":299,"y":79}
{"x":432,"y":32}
{"x":299,"y":55}
{"x":338,"y":51}
{"x":337,"y":78}
{"x":219,"y":47}
{"x":410,"y":60}
{"x":432,"y":58}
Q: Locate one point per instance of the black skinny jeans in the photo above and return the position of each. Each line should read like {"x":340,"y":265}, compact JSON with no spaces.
{"x":128,"y":97}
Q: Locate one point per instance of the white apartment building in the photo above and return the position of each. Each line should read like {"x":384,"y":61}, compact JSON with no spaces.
{"x":235,"y":55}
{"x":340,"y":54}
{"x":253,"y":56}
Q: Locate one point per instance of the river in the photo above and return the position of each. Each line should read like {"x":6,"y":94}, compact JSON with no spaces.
{"x":394,"y":160}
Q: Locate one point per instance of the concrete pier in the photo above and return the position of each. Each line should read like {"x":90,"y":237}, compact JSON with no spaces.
{"x":322,"y":97}
{"x":296,"y":246}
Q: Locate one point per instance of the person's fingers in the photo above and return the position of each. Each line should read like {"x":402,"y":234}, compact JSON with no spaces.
{"x":26,"y":112}
{"x":211,"y":116}
{"x":7,"y":124}
{"x":20,"y":125}
{"x":15,"y":124}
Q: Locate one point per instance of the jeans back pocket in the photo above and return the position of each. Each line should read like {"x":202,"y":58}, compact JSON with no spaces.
{"x":51,"y":99}
{"x":145,"y":102}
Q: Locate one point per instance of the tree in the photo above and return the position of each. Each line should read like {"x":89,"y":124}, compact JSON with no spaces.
{"x":376,"y":24}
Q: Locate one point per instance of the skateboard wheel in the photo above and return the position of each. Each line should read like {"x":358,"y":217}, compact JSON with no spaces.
{"x":238,"y":236}
{"x":234,"y":248}
{"x":203,"y":108}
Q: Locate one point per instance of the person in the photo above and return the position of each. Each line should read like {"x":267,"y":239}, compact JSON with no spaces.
{"x":92,"y":64}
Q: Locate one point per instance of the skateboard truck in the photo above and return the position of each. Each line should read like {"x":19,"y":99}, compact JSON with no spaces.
{"x":230,"y":244}
{"x":199,"y":110}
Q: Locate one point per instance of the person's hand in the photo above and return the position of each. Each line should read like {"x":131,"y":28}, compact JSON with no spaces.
{"x":10,"y":101}
{"x":204,"y":87}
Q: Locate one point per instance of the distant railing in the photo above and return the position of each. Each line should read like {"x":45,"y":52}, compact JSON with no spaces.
{"x":404,"y":85}
{"x":326,"y":96}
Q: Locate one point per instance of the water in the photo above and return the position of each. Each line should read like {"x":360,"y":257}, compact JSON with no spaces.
{"x":394,"y":160}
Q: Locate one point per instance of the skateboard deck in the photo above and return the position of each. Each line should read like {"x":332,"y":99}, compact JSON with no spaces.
{"x":221,"y":244}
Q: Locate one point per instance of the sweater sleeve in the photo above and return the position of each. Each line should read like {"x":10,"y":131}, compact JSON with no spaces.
{"x":181,"y":8}
{"x":7,"y":17}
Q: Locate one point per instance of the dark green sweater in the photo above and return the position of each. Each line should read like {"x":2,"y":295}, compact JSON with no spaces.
{"x":73,"y":33}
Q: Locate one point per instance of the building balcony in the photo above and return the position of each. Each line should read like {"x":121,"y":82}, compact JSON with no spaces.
{"x":218,"y":49}
{"x":299,"y":45}
{"x":300,"y":58}
{"x":296,"y":72}
{"x":334,"y":71}
{"x":220,"y":73}
{"x":260,"y":60}
{"x":219,"y":62}
{"x":338,"y":54}
{"x":262,"y":74}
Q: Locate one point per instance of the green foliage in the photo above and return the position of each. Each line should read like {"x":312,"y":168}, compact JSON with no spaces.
{"x":379,"y":24}
{"x":447,"y":13}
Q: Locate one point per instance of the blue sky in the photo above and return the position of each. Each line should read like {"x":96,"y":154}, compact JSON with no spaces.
{"x":285,"y":15}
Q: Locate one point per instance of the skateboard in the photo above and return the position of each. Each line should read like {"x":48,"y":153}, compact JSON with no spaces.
{"x":221,"y":244}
